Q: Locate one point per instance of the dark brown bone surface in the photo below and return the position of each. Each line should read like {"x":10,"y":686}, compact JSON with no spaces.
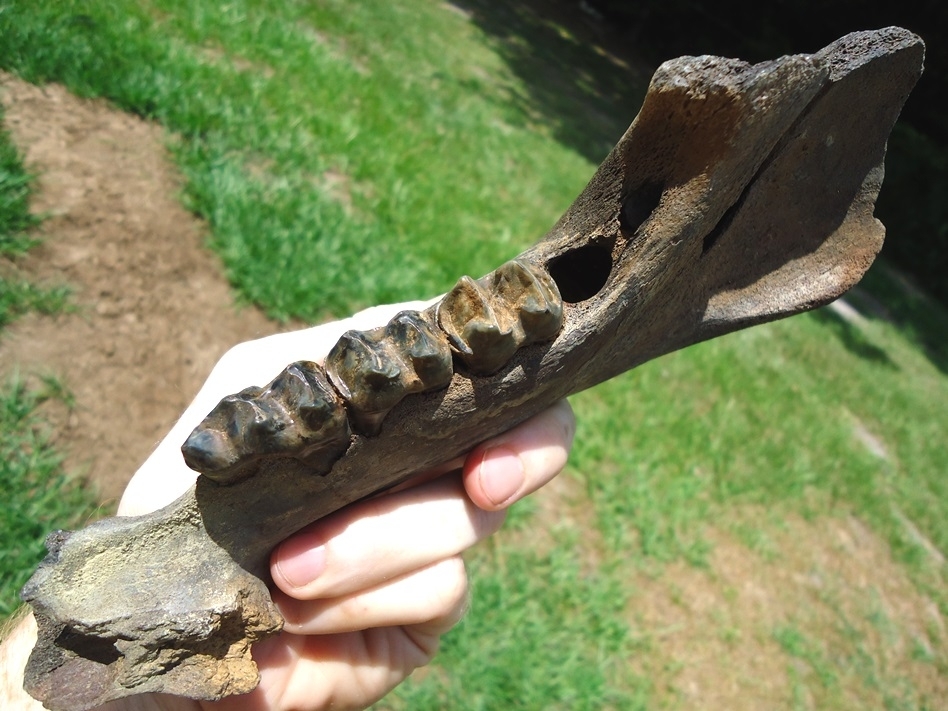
{"x":740,"y":194}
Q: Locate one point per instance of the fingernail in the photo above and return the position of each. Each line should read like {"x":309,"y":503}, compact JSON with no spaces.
{"x":501,"y":474}
{"x":299,"y":562}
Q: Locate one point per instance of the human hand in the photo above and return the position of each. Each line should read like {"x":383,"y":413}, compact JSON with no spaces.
{"x":368,"y":591}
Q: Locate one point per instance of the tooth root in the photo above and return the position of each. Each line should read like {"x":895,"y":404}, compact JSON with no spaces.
{"x":535,"y":296}
{"x":297,"y":415}
{"x":483,"y":337}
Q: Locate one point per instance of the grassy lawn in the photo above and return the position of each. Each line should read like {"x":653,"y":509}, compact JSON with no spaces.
{"x":16,"y":294}
{"x":37,"y":495}
{"x":346,"y":154}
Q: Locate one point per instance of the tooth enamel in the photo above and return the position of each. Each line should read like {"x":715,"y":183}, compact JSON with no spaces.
{"x":483,"y":337}
{"x":375,"y":369}
{"x":487,"y":320}
{"x":318,"y":405}
{"x":218,"y":446}
{"x":424,"y":346}
{"x":209,"y":450}
{"x":370,"y":380}
{"x":318,"y":413}
{"x":298,"y":409}
{"x":538,"y":301}
{"x":262,"y":422}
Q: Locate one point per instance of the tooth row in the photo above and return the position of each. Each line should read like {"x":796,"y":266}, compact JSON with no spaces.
{"x":302,"y":413}
{"x":487,"y":320}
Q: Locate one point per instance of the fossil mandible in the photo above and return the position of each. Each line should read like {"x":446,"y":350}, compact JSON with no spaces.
{"x":740,"y":194}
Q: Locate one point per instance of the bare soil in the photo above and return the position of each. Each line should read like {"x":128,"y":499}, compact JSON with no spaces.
{"x":152,"y":309}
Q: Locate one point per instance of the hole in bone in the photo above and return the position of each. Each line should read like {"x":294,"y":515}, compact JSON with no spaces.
{"x":96,"y":649}
{"x":581,"y":273}
{"x":637,"y":205}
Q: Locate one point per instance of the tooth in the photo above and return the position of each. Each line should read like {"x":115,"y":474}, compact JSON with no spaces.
{"x":321,"y":410}
{"x":297,"y":415}
{"x":483,"y":337}
{"x":217,"y":446}
{"x":423,"y":347}
{"x":375,"y":369}
{"x":308,"y":416}
{"x":536,"y":297}
{"x":370,"y":380}
{"x":487,"y":320}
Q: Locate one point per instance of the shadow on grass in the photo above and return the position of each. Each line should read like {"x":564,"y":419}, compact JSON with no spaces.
{"x":585,"y":93}
{"x":852,"y":337}
{"x":585,"y":74}
{"x":889,"y":295}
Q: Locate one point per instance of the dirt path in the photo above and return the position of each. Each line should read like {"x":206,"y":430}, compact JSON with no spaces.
{"x":153,"y":310}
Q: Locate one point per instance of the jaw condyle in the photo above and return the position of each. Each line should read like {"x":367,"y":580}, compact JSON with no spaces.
{"x":740,"y":194}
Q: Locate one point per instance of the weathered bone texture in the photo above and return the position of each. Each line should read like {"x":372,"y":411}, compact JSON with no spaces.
{"x":740,"y":194}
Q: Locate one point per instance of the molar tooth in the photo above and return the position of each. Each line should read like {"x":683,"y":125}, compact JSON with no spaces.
{"x":370,"y":378}
{"x":217,"y":447}
{"x":315,"y":429}
{"x":375,"y":369}
{"x":483,"y":337}
{"x":296,"y":415}
{"x":423,"y":347}
{"x":320,"y":408}
{"x":535,"y":295}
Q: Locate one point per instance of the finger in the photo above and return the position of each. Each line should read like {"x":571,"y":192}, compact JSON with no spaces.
{"x":435,"y":597}
{"x":520,"y":461}
{"x":378,"y":539}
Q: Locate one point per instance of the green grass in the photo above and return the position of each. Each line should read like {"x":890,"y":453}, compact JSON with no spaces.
{"x":770,"y":415}
{"x":533,"y":614}
{"x":15,"y":189}
{"x":18,"y":295}
{"x":798,"y":646}
{"x":340,"y":161}
{"x":38,"y":496}
{"x":347,"y":154}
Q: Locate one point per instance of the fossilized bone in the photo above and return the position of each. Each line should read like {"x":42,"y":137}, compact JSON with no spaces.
{"x":740,"y":194}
